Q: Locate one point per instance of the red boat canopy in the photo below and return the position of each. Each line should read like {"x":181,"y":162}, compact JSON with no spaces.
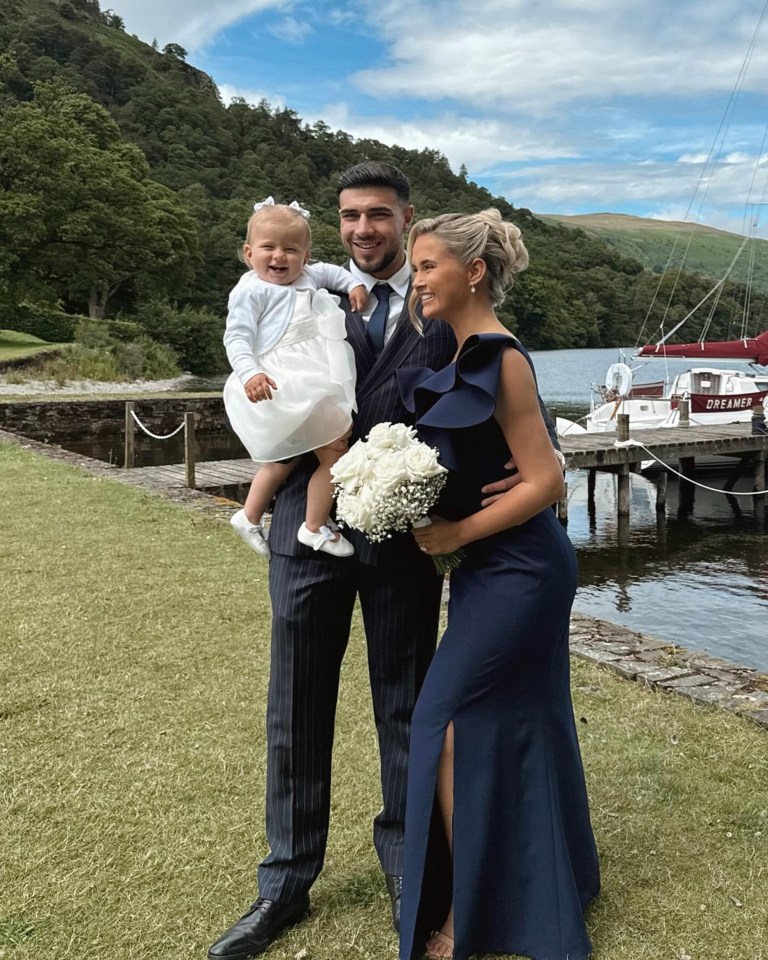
{"x":752,"y":350}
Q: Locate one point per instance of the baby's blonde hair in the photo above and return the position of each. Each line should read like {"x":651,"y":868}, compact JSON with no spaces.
{"x":277,"y":213}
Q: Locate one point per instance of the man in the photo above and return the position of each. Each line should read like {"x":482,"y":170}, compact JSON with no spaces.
{"x":313,"y":594}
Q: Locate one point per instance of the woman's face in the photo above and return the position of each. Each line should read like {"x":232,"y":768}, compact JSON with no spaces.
{"x":441,"y":282}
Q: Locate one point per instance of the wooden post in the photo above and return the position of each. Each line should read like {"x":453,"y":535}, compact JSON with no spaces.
{"x":130,"y":435}
{"x":661,"y":492}
{"x":190,"y":448}
{"x":591,"y":509}
{"x":623,"y":492}
{"x":761,"y":472}
{"x":622,"y":427}
{"x":688,"y":467}
{"x":758,"y":420}
{"x":562,"y":506}
{"x":684,"y":409}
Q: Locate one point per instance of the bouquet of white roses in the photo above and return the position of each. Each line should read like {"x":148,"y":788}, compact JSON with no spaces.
{"x":387,"y":483}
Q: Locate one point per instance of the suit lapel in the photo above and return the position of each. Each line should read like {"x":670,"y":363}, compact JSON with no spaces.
{"x":396,"y":349}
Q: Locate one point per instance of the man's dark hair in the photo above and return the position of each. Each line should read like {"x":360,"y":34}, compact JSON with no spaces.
{"x":372,"y":173}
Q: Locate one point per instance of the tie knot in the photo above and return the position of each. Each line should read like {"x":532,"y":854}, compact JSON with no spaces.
{"x":382,"y":291}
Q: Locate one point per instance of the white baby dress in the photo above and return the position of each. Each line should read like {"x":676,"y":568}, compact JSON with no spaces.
{"x":314,"y":369}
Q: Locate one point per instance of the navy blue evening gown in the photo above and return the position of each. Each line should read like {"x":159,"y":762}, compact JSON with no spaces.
{"x":524,"y":863}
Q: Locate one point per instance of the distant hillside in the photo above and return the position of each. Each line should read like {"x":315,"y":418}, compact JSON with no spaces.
{"x":704,"y":249}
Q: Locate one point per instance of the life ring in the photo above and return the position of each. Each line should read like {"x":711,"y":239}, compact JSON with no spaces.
{"x":618,"y":379}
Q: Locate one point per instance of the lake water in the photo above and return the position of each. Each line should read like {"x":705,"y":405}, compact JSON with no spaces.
{"x":699,"y":578}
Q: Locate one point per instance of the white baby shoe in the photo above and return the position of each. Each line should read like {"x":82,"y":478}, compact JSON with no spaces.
{"x":253,"y":533}
{"x":324,"y":540}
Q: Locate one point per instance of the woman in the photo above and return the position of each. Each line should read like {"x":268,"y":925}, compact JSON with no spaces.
{"x":499,"y":851}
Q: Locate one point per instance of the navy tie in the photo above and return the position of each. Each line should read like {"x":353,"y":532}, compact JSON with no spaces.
{"x":378,"y":322}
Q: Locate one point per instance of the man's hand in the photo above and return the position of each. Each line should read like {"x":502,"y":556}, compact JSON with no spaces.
{"x":358,"y":297}
{"x":259,"y":387}
{"x":500,"y":487}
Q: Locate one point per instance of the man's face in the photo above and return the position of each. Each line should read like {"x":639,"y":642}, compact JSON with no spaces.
{"x":373,"y":225}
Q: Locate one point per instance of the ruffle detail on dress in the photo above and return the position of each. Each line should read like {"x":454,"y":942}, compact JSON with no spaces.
{"x":462,"y":394}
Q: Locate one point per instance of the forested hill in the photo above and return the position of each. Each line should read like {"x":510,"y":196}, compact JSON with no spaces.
{"x":661,"y":244}
{"x":125,"y":185}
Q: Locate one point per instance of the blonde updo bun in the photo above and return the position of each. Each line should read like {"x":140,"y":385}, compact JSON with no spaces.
{"x":486,"y":235}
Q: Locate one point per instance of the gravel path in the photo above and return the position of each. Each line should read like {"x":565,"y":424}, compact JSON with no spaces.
{"x":50,"y":388}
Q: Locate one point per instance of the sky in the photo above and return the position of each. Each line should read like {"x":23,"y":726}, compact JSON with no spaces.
{"x":562,"y":106}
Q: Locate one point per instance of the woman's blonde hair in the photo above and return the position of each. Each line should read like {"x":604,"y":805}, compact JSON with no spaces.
{"x":484,"y":235}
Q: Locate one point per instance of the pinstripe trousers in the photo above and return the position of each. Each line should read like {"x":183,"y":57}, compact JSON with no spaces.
{"x":313,"y":599}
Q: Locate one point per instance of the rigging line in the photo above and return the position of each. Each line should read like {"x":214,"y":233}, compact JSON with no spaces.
{"x":722,"y":129}
{"x":717,"y":286}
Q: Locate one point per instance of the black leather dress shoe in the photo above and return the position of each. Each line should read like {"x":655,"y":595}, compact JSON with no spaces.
{"x":395,"y":890}
{"x":256,"y":930}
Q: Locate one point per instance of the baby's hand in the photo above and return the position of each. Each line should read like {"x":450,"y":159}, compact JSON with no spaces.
{"x":259,"y":387}
{"x":358,"y":297}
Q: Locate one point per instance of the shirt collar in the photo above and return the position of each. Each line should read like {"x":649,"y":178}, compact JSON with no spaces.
{"x":398,"y":281}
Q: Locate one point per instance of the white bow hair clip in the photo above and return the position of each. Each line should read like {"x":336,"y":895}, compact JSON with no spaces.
{"x":293,"y":205}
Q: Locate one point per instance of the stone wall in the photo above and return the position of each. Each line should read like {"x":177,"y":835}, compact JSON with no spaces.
{"x":62,"y":421}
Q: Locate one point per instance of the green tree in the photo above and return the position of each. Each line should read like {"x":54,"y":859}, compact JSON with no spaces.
{"x":79,"y":215}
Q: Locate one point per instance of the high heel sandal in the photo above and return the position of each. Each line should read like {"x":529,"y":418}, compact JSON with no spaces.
{"x":444,"y":939}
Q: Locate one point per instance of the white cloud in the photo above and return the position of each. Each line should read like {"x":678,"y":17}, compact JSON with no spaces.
{"x":516,"y":55}
{"x":190,"y":23}
{"x":230,"y":93}
{"x":290,"y":30}
{"x":479,"y":143}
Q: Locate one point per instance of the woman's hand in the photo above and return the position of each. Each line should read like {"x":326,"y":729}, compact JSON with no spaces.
{"x":440,"y":536}
{"x":259,"y":387}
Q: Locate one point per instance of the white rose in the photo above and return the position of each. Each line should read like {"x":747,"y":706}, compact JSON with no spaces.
{"x":352,"y":469}
{"x":353,"y":512}
{"x":421,"y":462}
{"x":390,"y":471}
{"x":391,"y":436}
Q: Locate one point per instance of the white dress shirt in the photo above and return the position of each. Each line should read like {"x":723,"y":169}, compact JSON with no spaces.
{"x":399,"y":283}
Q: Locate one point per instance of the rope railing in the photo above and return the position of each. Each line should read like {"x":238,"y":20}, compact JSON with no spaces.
{"x":190,"y":447}
{"x":155,"y":436}
{"x":619,"y":444}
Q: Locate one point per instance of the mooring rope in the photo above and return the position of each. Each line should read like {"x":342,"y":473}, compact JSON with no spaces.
{"x":728,"y":493}
{"x":155,"y":436}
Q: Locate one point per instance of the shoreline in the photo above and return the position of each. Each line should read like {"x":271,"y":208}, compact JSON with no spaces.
{"x":94,"y":388}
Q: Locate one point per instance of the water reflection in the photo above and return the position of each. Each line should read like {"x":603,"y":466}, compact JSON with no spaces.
{"x":698,"y":576}
{"x":213,"y":445}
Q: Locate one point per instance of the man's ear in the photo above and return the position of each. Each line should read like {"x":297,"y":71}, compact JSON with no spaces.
{"x":407,"y":216}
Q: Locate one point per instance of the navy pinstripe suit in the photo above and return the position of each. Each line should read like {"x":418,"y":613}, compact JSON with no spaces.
{"x":313,"y":596}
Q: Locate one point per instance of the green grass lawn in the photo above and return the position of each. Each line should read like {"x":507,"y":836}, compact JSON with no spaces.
{"x":134,"y":651}
{"x":15,"y":345}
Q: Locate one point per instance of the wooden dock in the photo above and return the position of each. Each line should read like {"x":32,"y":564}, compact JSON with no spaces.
{"x":584,"y":451}
{"x":209,"y":475}
{"x":677,"y":447}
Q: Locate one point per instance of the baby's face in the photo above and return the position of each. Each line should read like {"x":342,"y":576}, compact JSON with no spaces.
{"x":277,"y":250}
